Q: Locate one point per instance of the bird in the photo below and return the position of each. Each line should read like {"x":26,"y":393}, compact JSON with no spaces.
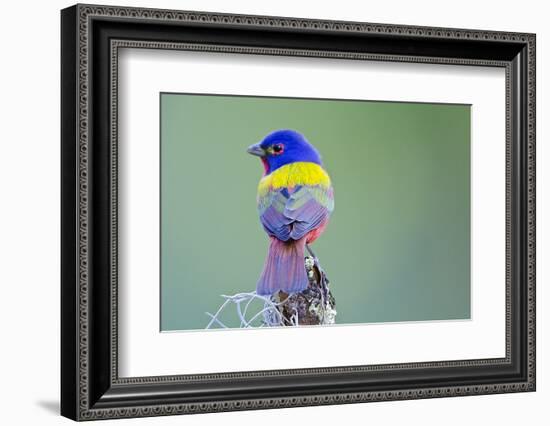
{"x":295,"y":199}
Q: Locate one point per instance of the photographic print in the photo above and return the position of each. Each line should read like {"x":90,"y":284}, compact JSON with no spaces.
{"x":298,"y":212}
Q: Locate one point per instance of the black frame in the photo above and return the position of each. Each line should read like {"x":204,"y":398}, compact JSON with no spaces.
{"x":90,"y":38}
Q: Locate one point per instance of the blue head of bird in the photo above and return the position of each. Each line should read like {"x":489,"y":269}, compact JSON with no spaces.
{"x":283,"y":147}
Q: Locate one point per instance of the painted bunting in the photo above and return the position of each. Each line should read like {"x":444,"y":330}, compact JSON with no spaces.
{"x":295,"y":199}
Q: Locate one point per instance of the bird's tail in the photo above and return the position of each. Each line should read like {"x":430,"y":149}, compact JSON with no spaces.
{"x":284,"y":268}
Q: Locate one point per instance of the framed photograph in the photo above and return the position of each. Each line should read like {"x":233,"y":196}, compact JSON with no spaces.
{"x":263,"y":212}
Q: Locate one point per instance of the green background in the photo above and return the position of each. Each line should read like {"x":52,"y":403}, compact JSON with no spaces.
{"x":398,"y":244}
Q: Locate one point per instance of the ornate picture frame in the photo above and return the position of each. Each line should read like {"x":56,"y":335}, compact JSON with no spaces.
{"x":91,"y":37}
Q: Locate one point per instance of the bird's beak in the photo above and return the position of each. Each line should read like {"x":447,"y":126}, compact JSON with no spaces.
{"x":256,"y":149}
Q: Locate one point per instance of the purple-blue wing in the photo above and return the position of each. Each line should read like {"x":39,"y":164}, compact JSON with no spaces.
{"x":292,"y":214}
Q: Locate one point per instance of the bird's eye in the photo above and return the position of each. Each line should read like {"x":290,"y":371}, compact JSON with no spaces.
{"x":277,"y":149}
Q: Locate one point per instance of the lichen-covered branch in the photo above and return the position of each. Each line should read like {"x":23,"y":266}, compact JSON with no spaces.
{"x":314,"y":306}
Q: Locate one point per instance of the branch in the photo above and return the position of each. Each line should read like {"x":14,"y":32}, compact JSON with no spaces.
{"x":314,"y":306}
